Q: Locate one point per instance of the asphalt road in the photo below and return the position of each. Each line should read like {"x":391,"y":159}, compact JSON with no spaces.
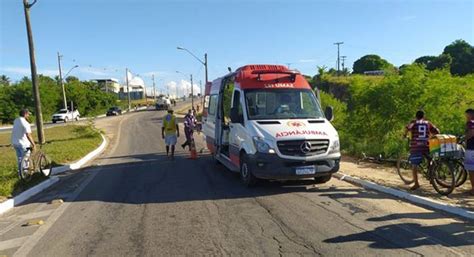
{"x":133,"y":201}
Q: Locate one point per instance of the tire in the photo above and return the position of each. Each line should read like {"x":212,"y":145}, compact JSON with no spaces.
{"x":77,"y":118}
{"x":65,"y":120}
{"x":46,"y":166}
{"x":54,"y":122}
{"x":26,"y":174}
{"x":405,"y":171}
{"x":246,"y":174}
{"x":323,"y":179}
{"x":461,"y":173}
{"x":443,"y":177}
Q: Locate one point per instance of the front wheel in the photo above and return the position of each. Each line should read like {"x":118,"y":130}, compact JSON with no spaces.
{"x":405,"y":170}
{"x":443,"y":177}
{"x":246,"y":174}
{"x":26,"y":168}
{"x":46,"y":166}
{"x":65,"y":120}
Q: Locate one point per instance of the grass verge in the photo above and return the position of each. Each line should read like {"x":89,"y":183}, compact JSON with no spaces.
{"x":64,"y":144}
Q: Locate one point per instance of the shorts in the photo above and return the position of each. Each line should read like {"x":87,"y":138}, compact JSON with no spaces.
{"x":416,"y":159}
{"x":469,"y":160}
{"x":171,"y":139}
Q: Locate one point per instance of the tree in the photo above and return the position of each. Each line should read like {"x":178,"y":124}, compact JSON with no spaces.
{"x":462,"y":54}
{"x":432,"y":63}
{"x":370,"y":62}
{"x":70,"y":79}
{"x":4,"y":80}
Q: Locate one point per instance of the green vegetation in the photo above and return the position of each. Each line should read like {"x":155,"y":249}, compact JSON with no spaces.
{"x":64,"y":144}
{"x":372,"y":116}
{"x":370,"y":62}
{"x":87,"y":97}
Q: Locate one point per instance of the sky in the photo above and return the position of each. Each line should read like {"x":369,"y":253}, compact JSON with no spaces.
{"x":103,"y":37}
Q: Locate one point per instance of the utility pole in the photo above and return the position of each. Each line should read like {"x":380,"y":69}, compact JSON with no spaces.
{"x":338,"y":56}
{"x":34,"y":75}
{"x":62,"y":81}
{"x":205,"y":65}
{"x":343,"y":61}
{"x":128,"y":88}
{"x":192,"y":93}
{"x":154,"y":88}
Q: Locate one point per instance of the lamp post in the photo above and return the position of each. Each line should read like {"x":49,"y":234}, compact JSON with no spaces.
{"x":61,"y":80}
{"x":197,"y":58}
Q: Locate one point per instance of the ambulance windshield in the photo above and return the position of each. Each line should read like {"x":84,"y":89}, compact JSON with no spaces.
{"x":266,"y":104}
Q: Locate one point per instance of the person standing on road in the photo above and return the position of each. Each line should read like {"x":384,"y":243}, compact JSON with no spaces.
{"x":469,"y":155}
{"x":21,"y":135}
{"x":421,"y":130}
{"x":189,"y":124}
{"x":170,"y":132}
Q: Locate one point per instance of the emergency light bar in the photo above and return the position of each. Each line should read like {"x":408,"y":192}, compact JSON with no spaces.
{"x":260,"y":72}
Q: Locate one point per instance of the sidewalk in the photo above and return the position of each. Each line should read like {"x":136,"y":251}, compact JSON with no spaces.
{"x":387,"y":176}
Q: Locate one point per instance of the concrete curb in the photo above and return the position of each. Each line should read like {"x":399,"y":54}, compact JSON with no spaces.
{"x":420,"y":200}
{"x":10,"y":203}
{"x":15,"y":201}
{"x":84,"y":160}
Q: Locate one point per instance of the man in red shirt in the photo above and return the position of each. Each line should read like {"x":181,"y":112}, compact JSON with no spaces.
{"x":421,"y":130}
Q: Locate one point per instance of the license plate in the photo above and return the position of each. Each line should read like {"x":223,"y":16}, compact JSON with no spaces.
{"x":305,"y":170}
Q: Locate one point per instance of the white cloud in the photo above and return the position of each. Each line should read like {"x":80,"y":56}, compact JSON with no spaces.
{"x":27,"y":71}
{"x":182,"y":87}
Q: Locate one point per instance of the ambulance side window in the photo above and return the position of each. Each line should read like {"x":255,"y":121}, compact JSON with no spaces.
{"x":237,"y":106}
{"x":213,"y":105}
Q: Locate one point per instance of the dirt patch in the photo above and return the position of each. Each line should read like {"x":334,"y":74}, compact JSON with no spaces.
{"x":386,"y":175}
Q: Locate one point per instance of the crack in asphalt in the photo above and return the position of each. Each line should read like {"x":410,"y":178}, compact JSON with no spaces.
{"x":285,"y":230}
{"x":357,"y":226}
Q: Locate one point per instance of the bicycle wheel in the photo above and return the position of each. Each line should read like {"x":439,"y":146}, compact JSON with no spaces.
{"x":442,"y":177}
{"x":45,"y":165}
{"x":26,"y":168}
{"x":461,"y":173}
{"x":404,"y":170}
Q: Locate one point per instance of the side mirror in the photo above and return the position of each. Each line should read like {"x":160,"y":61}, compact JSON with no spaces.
{"x":329,"y":113}
{"x":234,"y":116}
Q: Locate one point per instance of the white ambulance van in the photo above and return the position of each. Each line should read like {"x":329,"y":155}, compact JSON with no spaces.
{"x":265,"y":122}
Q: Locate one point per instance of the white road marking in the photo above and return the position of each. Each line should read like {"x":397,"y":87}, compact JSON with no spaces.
{"x":12,"y":243}
{"x":26,"y":248}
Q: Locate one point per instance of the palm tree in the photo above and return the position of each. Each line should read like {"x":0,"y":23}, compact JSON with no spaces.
{"x":4,"y":80}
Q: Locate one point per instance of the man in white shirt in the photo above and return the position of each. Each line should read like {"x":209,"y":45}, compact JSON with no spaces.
{"x":21,"y":135}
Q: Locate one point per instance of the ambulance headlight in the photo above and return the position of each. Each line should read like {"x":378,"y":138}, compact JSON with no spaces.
{"x":262,"y":146}
{"x":335,"y":147}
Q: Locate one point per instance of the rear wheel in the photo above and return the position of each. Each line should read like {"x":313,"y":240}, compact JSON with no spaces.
{"x":246,"y":174}
{"x":442,"y":177}
{"x":26,"y":168}
{"x":323,"y":179}
{"x":46,"y":166}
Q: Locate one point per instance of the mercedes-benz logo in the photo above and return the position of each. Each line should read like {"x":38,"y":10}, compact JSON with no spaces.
{"x":305,"y":147}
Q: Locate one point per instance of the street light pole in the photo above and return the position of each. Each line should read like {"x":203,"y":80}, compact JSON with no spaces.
{"x":128,"y":88}
{"x":154,"y":89}
{"x":192,"y":93}
{"x":62,"y":82}
{"x":34,"y":75}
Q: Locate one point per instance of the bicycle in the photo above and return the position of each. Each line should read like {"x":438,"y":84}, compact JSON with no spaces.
{"x":441,"y":171}
{"x":34,"y":161}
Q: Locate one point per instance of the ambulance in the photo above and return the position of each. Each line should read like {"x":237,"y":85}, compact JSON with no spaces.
{"x":265,"y":122}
